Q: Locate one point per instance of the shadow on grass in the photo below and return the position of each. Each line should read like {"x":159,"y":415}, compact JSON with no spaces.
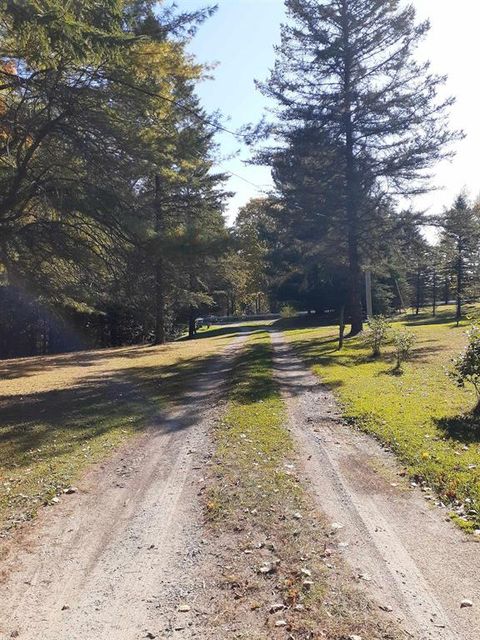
{"x":252,"y":379}
{"x":423,"y":354}
{"x":418,"y":355}
{"x":48,"y":424}
{"x":220,"y":332}
{"x":21,"y":367}
{"x":394,"y":372}
{"x":443,"y":317}
{"x":463,"y":428}
{"x":324,"y":352}
{"x":423,"y":320}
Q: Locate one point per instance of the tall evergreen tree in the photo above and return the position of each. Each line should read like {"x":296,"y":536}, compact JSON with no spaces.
{"x":105,"y":159}
{"x":459,"y":239}
{"x":347,"y":68}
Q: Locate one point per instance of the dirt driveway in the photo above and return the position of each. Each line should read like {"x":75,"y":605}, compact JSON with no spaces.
{"x":115,"y":560}
{"x":118,"y":559}
{"x":417,"y":565}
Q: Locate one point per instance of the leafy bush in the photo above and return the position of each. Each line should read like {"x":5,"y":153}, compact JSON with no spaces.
{"x":376,"y":333}
{"x":403,"y":341}
{"x":287,"y":311}
{"x":466,"y":366}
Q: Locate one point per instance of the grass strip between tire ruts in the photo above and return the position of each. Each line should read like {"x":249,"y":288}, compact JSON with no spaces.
{"x":282,"y":573}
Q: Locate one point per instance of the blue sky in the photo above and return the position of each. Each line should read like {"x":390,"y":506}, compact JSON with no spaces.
{"x":240,"y":38}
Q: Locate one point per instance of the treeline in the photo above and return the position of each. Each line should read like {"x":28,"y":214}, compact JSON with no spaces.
{"x":111,"y":210}
{"x":112,"y":223}
{"x":449,"y":270}
{"x":408,"y":271}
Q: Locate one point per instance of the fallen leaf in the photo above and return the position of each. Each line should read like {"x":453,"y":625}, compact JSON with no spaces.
{"x":466,"y":603}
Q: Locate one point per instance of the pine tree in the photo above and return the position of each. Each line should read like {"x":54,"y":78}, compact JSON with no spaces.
{"x":460,"y":236}
{"x":101,"y":137}
{"x":347,"y":68}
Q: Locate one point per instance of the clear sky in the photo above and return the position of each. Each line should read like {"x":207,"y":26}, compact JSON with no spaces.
{"x":240,"y":38}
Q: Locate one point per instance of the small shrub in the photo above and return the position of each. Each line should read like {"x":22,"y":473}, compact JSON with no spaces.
{"x":287,"y":311}
{"x":376,"y":333}
{"x":466,"y":366}
{"x":403,"y":341}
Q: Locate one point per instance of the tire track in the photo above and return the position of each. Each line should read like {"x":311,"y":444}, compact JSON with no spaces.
{"x":116,"y":559}
{"x":399,"y":547}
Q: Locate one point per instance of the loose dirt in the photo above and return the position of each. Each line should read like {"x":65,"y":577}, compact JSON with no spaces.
{"x":400,"y":547}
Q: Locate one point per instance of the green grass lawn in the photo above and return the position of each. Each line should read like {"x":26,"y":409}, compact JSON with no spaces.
{"x":59,"y":414}
{"x":420,"y":414}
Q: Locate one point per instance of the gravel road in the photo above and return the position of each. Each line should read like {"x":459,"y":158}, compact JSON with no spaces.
{"x":397,"y":544}
{"x":117,"y":559}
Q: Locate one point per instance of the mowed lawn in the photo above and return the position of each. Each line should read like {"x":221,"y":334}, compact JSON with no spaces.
{"x":59,"y":414}
{"x":420,"y":414}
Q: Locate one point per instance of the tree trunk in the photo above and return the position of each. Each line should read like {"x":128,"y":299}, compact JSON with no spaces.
{"x":341,"y":327}
{"x":447,"y":290}
{"x":356,"y":310}
{"x":434,"y":293}
{"x":400,"y":297}
{"x":160,"y":333}
{"x":418,"y":292}
{"x":192,"y":327}
{"x":458,"y":313}
{"x":45,"y":336}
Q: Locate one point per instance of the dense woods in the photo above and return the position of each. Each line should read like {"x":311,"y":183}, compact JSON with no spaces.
{"x":110,"y":213}
{"x":112,"y":226}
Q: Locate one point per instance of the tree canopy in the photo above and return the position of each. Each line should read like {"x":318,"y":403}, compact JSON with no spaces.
{"x":101,"y":130}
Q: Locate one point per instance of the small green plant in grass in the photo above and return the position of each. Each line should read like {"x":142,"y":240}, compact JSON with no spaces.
{"x":403,"y":342}
{"x":466,"y":366}
{"x":376,"y":333}
{"x":287,"y":311}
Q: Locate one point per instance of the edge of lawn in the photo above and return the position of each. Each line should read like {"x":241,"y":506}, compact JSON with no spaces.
{"x":434,"y":464}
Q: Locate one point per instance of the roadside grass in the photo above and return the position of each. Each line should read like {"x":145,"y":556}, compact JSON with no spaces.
{"x":59,"y":414}
{"x":281,"y":573}
{"x":421,"y":415}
